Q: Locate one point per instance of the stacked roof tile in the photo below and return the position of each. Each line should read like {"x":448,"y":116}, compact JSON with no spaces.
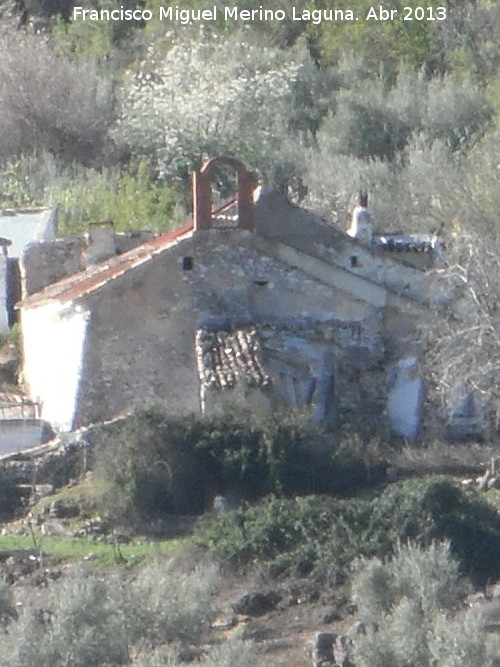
{"x":226,"y":359}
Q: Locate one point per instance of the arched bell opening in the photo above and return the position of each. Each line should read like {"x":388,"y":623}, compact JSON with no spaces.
{"x":230,"y":177}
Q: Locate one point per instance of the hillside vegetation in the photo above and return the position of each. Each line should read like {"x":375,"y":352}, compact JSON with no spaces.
{"x":312,"y":536}
{"x":96,"y":114}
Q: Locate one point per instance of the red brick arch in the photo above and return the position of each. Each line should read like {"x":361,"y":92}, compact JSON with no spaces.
{"x":202,"y":193}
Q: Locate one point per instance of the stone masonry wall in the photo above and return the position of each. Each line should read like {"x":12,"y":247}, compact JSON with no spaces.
{"x":45,"y":263}
{"x":141,"y":340}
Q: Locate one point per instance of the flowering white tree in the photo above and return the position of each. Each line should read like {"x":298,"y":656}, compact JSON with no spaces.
{"x":209,"y":96}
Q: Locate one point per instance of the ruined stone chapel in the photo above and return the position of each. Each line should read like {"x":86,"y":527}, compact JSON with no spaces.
{"x":258,"y":305}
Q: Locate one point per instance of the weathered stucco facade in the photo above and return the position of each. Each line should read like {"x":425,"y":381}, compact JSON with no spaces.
{"x":282,"y":310}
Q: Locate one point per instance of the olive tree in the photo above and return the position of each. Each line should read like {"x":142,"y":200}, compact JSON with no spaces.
{"x":48,"y":102}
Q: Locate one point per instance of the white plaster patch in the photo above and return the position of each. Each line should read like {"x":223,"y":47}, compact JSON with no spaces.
{"x":405,"y":397}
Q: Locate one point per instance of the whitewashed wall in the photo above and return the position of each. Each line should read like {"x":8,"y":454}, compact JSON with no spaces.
{"x":53,"y":341}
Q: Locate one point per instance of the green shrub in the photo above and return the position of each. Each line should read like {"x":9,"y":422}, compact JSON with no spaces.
{"x":159,"y":464}
{"x":166,"y":604}
{"x":461,"y":642}
{"x":133,"y":198}
{"x":151,"y":466}
{"x":99,"y":39}
{"x":331,"y":532}
{"x":234,"y":652}
{"x":91,"y":618}
{"x":437,"y":508}
{"x":82,"y":625}
{"x":314,"y":528}
{"x":261,"y":456}
{"x":408,"y":600}
{"x":429,"y":577}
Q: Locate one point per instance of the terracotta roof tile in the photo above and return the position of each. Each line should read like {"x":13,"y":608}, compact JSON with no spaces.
{"x":228,"y":358}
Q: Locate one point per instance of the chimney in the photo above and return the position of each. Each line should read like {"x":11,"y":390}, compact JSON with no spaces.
{"x":101,"y":242}
{"x":363,"y":199}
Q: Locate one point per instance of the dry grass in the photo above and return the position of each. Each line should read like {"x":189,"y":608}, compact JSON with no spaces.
{"x":443,"y":458}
